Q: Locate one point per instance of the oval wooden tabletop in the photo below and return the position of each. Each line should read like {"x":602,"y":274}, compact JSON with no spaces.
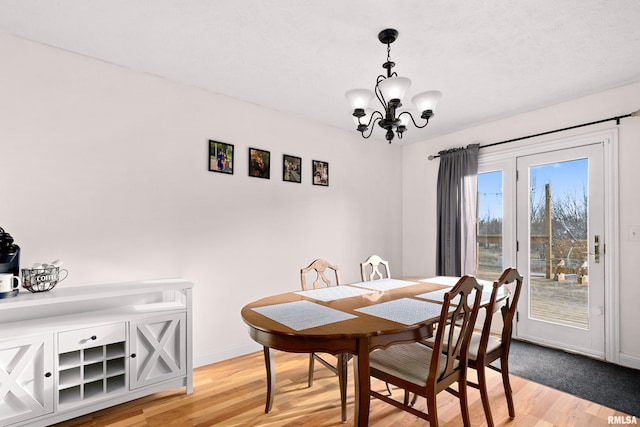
{"x":360,"y":326}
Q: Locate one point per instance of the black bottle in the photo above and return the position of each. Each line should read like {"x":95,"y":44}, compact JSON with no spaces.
{"x":9,"y":254}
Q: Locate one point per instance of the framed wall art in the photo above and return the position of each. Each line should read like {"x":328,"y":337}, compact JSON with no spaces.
{"x":291,"y":168}
{"x":259,"y":163}
{"x":220,"y":157}
{"x":320,"y":173}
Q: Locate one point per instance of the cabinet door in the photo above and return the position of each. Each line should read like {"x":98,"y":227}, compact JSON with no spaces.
{"x":158,"y":349}
{"x":26,"y":380}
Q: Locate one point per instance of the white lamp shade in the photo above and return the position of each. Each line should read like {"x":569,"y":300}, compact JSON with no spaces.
{"x":394,"y":87}
{"x":427,"y":100}
{"x":359,"y":98}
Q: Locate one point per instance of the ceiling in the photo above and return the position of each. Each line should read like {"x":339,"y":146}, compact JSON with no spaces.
{"x":490,"y":59}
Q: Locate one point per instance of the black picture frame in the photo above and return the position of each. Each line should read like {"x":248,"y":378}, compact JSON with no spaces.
{"x":259,"y":163}
{"x":220,"y":157}
{"x":291,"y":168}
{"x":320,"y":171}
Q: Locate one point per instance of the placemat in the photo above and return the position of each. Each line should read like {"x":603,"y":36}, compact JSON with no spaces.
{"x":436,"y":295}
{"x":332,"y":293}
{"x":383,"y":284}
{"x":405,"y":310}
{"x":299,"y":315}
{"x":442,"y":280}
{"x":439,"y":295}
{"x":452,"y":280}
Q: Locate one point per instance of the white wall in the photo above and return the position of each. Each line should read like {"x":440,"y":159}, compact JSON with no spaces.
{"x":106,"y":168}
{"x":420,"y":176}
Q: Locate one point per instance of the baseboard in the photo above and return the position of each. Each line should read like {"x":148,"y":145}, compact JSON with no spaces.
{"x":630,"y":361}
{"x":207,"y":359}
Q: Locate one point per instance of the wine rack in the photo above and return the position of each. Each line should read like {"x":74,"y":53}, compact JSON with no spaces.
{"x":93,"y":372}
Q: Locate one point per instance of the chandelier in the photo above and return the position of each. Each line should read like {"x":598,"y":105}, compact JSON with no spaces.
{"x":390,"y":90}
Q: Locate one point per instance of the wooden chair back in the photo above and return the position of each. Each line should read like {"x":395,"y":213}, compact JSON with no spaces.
{"x":510,"y":282}
{"x":373,"y":263}
{"x":449,"y":357}
{"x":320,"y":268}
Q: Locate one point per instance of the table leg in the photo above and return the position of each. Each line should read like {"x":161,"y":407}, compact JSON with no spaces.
{"x":269,"y":363}
{"x":362,"y":382}
{"x":343,"y":359}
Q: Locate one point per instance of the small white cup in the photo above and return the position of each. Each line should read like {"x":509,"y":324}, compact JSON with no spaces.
{"x":9,"y":282}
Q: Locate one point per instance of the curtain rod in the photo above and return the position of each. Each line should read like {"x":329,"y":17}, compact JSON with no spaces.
{"x":617,"y":119}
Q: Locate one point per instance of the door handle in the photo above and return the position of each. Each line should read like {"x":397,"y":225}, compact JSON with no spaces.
{"x":596,"y":249}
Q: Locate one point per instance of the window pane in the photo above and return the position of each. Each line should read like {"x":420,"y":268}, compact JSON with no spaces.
{"x":490,"y":233}
{"x":558,"y":220}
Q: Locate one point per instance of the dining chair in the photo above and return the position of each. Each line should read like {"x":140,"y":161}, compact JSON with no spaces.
{"x":485,"y":348}
{"x":426,"y":371}
{"x":373,"y":263}
{"x":320,"y":268}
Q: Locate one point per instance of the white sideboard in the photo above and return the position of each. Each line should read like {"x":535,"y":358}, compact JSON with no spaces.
{"x":75,"y":350}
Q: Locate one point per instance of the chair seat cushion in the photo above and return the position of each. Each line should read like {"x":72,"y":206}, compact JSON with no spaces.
{"x":411,"y":362}
{"x":493,"y":343}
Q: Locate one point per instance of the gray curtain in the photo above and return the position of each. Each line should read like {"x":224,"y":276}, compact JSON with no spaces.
{"x":456,"y":205}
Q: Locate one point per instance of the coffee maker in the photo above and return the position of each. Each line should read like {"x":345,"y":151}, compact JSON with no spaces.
{"x":9,"y":259}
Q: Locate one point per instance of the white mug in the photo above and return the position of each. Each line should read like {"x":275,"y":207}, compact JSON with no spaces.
{"x":9,"y":282}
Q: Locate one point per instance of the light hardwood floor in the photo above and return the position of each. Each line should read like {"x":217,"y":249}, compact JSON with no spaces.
{"x":232,"y":393}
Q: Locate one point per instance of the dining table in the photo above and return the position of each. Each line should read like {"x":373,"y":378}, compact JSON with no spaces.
{"x":355,"y":319}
